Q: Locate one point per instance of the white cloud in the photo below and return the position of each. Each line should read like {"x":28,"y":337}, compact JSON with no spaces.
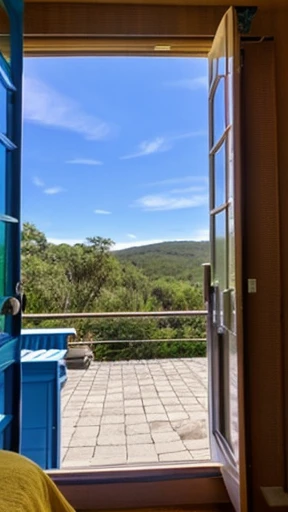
{"x":186,"y":190}
{"x":161,"y":144}
{"x":49,"y":190}
{"x":148,"y":148}
{"x":38,"y":182}
{"x":178,"y":181}
{"x":84,"y":161}
{"x":190,"y":135}
{"x":193,"y":84}
{"x":130,"y":235}
{"x":68,"y":241}
{"x":102,"y":212}
{"x":200,"y":235}
{"x":44,"y":105}
{"x":162,"y":202}
{"x":53,"y":190}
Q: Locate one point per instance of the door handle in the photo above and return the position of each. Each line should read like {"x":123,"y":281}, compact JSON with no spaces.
{"x":206,"y":281}
{"x":9,"y":306}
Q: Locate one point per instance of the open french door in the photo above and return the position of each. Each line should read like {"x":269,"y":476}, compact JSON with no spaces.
{"x":10,"y":160}
{"x":225,"y":345}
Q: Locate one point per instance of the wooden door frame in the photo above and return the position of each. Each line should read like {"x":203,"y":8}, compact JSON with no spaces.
{"x":42,"y":21}
{"x":261,"y":255}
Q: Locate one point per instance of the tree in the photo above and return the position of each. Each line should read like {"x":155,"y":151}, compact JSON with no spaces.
{"x":33,"y":241}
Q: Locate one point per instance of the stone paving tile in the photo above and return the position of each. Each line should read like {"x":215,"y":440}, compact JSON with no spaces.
{"x":110,"y":453}
{"x":151,"y":401}
{"x":109,"y":419}
{"x":170,"y":401}
{"x":112,"y":429}
{"x":111,"y":411}
{"x":132,"y":403}
{"x":196,"y":444}
{"x":89,"y":421}
{"x":138,"y":428}
{"x":161,"y":426}
{"x":157,"y":417}
{"x":139,"y":439}
{"x":154,"y":409}
{"x":69,"y":422}
{"x":200,"y":454}
{"x":174,"y":408}
{"x":166,"y":437}
{"x":111,"y":439}
{"x":172,"y":446}
{"x":135,"y":412}
{"x":175,"y":457}
{"x":133,"y":419}
{"x":142,"y":452}
{"x":80,"y":454}
{"x":91,"y":411}
{"x":173,"y":416}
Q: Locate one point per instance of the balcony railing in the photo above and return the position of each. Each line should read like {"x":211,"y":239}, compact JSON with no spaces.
{"x":122,"y":314}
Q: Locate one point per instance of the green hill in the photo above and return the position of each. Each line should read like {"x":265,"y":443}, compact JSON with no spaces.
{"x":180,"y":260}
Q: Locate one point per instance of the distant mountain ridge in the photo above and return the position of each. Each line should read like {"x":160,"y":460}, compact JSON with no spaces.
{"x":179,"y":260}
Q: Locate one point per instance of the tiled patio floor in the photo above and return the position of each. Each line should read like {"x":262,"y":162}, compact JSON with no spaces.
{"x":134,"y":412}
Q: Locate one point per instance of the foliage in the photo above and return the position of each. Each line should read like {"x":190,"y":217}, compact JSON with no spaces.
{"x":90,"y":277}
{"x":182,"y":260}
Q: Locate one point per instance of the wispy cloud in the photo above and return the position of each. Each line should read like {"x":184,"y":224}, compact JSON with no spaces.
{"x":178,"y":181}
{"x":187,"y":190}
{"x":50,"y":191}
{"x":164,"y":202}
{"x":193,"y":84}
{"x":38,"y":182}
{"x":157,"y":145}
{"x":199,"y":235}
{"x":84,"y":161}
{"x":44,"y":105}
{"x":68,"y":241}
{"x":161,"y":144}
{"x":102,"y":212}
{"x":130,"y":235}
{"x":53,"y":190}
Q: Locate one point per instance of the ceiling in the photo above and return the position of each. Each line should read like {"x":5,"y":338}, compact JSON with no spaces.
{"x":260,"y":3}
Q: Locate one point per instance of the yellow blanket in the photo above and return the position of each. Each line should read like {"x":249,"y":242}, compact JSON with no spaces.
{"x":24,"y":487}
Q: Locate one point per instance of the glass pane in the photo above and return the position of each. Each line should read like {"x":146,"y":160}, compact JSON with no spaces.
{"x":220,"y":278}
{"x":5,"y":48}
{"x":231,"y":229}
{"x":232,"y":434}
{"x":220,"y":176}
{"x":219,"y":123}
{"x":2,"y":178}
{"x":230,"y":91}
{"x":222,"y":66}
{"x":2,"y":268}
{"x":3,"y":109}
{"x":213,"y":70}
{"x":222,"y":52}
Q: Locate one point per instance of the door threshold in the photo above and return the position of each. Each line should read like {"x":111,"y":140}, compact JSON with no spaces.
{"x":160,"y":485}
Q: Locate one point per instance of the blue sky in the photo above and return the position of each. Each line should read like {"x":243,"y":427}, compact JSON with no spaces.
{"x":116,"y":147}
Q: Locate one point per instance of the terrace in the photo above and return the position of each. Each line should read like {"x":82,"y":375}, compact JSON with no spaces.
{"x":134,"y":411}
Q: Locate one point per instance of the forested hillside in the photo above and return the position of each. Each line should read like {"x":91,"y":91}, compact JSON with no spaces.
{"x":90,"y":277}
{"x":180,"y":260}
